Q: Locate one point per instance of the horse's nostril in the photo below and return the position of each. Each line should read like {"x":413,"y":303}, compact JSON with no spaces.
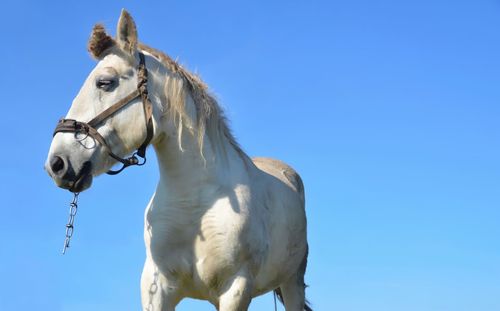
{"x":56,"y":164}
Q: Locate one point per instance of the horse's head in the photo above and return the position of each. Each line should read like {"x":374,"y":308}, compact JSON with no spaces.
{"x":96,"y":132}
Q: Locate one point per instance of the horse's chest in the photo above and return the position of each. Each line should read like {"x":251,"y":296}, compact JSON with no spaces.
{"x":199,"y":251}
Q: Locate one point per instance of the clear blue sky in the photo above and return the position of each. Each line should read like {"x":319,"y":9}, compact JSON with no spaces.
{"x":389,"y":110}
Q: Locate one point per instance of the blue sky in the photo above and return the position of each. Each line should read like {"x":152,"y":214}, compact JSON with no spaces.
{"x":388,"y":109}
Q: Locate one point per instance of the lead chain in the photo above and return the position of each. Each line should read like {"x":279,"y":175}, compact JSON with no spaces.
{"x":153,"y":289}
{"x":73,"y":208}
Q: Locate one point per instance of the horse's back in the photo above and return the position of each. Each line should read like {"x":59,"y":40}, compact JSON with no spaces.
{"x":282,"y":171}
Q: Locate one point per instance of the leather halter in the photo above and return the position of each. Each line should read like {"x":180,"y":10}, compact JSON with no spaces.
{"x":89,"y":128}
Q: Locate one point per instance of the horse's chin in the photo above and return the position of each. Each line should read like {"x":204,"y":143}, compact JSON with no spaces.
{"x":83,"y":179}
{"x":82,"y":183}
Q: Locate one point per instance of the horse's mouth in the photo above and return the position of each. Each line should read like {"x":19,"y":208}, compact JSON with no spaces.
{"x":83,"y":179}
{"x":78,"y":182}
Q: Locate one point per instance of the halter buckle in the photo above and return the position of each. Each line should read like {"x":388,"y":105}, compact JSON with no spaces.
{"x":134,"y":159}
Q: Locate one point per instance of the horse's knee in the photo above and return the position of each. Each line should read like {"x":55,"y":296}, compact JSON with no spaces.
{"x":156,"y":292}
{"x":236,"y":294}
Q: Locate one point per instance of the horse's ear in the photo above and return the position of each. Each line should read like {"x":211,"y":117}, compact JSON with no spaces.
{"x":126,"y":33}
{"x":99,"y":42}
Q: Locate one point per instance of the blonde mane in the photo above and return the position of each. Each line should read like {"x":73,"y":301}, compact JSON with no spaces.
{"x":210,"y":116}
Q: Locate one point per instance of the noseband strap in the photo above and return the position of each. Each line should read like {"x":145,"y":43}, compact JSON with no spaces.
{"x":89,"y":128}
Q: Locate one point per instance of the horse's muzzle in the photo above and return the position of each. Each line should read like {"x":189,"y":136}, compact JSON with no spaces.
{"x":64,"y":175}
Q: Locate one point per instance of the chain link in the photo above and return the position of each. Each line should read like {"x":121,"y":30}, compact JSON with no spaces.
{"x":73,"y":208}
{"x":153,"y":288}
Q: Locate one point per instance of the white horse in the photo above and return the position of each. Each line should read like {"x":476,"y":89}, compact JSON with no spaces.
{"x":220,"y":227}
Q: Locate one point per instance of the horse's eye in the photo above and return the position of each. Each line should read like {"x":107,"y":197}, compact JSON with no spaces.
{"x":105,"y":84}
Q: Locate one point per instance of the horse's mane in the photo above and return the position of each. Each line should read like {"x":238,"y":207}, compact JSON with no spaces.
{"x":211,"y":119}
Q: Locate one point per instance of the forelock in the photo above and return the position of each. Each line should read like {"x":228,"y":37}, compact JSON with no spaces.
{"x":99,"y":41}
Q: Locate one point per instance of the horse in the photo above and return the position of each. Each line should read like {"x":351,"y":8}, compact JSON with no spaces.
{"x":221,"y":226}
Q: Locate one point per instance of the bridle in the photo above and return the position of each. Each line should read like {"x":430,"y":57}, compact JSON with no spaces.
{"x":89,"y":128}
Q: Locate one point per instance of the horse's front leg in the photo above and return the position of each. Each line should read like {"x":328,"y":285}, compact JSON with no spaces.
{"x":237,"y":293}
{"x":157,"y":293}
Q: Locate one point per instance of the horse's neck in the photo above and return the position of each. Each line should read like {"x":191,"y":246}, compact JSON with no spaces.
{"x":189,"y":178}
{"x":185,"y":175}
